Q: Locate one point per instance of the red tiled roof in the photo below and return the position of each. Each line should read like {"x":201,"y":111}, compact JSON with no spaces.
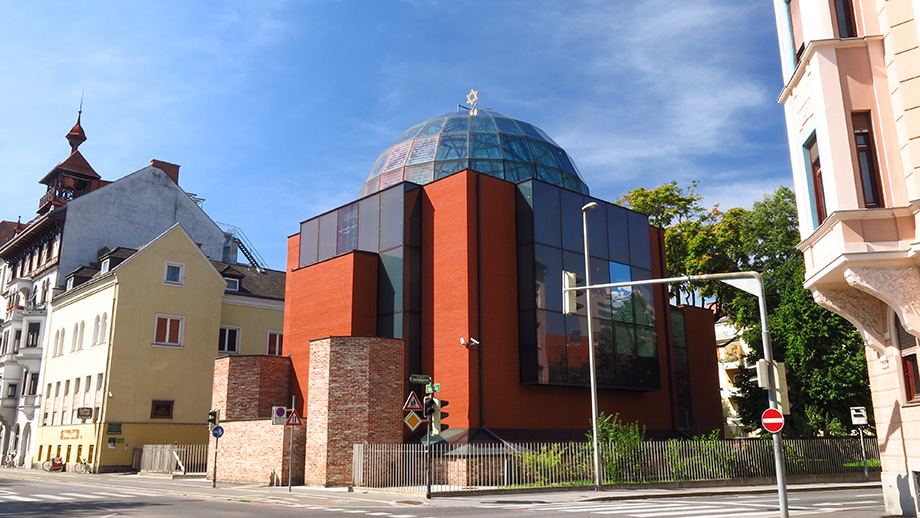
{"x":75,"y":163}
{"x":8,"y":229}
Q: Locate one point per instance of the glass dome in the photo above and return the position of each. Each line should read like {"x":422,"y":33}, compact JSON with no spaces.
{"x":484,"y":141}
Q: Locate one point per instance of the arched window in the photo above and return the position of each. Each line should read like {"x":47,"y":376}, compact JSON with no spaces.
{"x":57,"y":339}
{"x":96,"y":330}
{"x":80,"y":339}
{"x":73,"y":340}
{"x":102,"y":328}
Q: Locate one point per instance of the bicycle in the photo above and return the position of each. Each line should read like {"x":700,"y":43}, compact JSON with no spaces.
{"x":9,"y":460}
{"x":83,"y":466}
{"x":53,"y":464}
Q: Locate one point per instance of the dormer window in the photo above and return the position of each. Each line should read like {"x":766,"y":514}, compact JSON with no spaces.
{"x":106,"y":264}
{"x":232,"y":284}
{"x":69,"y":283}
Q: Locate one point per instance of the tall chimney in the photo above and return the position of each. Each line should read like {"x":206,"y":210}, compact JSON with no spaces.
{"x":171,"y":170}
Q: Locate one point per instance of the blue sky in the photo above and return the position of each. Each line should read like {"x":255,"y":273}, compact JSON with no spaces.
{"x":276,"y":110}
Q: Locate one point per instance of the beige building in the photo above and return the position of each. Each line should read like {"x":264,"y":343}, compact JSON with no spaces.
{"x":133,"y":343}
{"x":851,"y":72}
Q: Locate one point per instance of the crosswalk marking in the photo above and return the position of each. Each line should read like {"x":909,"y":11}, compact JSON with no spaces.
{"x":19,"y":498}
{"x":80,"y":495}
{"x":116,"y":495}
{"x":683,"y":511}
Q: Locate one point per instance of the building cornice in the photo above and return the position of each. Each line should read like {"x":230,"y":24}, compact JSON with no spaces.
{"x":239,"y":300}
{"x":839,"y":216}
{"x":813,"y":46}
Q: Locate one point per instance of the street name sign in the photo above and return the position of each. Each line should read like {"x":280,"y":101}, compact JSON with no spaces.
{"x":772,"y":420}
{"x":419,"y":379}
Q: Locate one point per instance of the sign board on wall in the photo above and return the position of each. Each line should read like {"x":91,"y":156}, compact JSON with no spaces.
{"x":113,"y":429}
{"x":70,"y":435}
{"x":84,"y":413}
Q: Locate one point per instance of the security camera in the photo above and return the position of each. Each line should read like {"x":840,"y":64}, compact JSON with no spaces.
{"x":474,"y":341}
{"x":462,"y":341}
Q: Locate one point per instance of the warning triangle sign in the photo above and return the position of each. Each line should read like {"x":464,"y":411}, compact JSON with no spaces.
{"x":412,"y":403}
{"x":294,"y":420}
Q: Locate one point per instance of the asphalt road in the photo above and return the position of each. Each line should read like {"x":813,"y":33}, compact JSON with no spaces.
{"x":26,"y":493}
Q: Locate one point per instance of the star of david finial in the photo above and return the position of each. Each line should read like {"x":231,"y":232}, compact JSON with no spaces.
{"x":472,"y":97}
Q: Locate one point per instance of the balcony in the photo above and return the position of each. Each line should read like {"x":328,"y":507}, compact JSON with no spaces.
{"x":30,"y":402}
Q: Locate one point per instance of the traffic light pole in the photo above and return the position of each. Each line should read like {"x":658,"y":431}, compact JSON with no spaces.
{"x":428,"y":461}
{"x":752,"y":283}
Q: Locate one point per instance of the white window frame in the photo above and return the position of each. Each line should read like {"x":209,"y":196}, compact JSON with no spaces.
{"x":232,"y":284}
{"x":106,"y":265}
{"x":166,"y":267}
{"x":268,"y":342}
{"x":222,"y":347}
{"x":156,"y":321}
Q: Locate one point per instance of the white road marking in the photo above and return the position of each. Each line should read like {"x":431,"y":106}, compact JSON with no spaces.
{"x":52,"y":497}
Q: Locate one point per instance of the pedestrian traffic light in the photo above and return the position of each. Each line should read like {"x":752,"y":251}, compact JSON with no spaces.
{"x":213,"y":419}
{"x":436,"y":425}
{"x":570,"y":303}
{"x":428,"y":405}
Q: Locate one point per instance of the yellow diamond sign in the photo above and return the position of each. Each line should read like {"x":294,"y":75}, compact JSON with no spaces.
{"x":413,"y":420}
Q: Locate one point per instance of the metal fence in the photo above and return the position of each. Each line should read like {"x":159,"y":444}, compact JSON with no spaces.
{"x":492,"y":466}
{"x":174,"y":458}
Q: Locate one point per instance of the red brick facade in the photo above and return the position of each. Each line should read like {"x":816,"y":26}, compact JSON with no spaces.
{"x":355,"y":396}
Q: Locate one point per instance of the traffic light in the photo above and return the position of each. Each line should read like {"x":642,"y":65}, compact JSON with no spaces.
{"x":213,"y":419}
{"x":428,"y":405}
{"x":436,"y":426}
{"x":570,"y":303}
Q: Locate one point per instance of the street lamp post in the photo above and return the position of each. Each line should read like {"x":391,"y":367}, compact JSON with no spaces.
{"x":591,"y":362}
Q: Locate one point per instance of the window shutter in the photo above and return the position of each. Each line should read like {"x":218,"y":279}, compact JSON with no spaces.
{"x":906,"y":341}
{"x":861,"y":122}
{"x":795,"y":16}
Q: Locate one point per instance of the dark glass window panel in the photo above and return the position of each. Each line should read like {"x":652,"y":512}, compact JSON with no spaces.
{"x":423,"y":150}
{"x":369,"y":224}
{"x":408,"y":134}
{"x":626,"y":340}
{"x":527,"y":283}
{"x":605,"y":347}
{"x":846,"y":25}
{"x":391,"y":218}
{"x":413,"y":279}
{"x":518,"y":172}
{"x":523,"y":203}
{"x":347,"y":238}
{"x":543,"y":153}
{"x":506,"y":125}
{"x":378,"y":165}
{"x":390,"y":325}
{"x":564,"y":163}
{"x":432,"y":127}
{"x":577,"y":350}
{"x":484,"y":145}
{"x":489,"y":167}
{"x":531,"y":368}
{"x":548,"y":175}
{"x":646,"y":344}
{"x":617,"y":234}
{"x":552,"y":351}
{"x":573,"y":262}
{"x":643,"y":298}
{"x":621,"y":299}
{"x":597,"y":229}
{"x":515,"y":148}
{"x":328,"y":230}
{"x":482,"y":123}
{"x":573,"y":234}
{"x":545,"y":136}
{"x":443,"y":169}
{"x":420,"y":174}
{"x":309,"y":240}
{"x":529,"y":130}
{"x":459,"y":124}
{"x":390,"y":282}
{"x":640,"y":252}
{"x":412,"y":229}
{"x":452,"y":147}
{"x":547,"y":222}
{"x":548,"y":277}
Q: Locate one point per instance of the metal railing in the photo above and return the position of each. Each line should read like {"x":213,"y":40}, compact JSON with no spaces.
{"x":493,"y":466}
{"x":174,"y":458}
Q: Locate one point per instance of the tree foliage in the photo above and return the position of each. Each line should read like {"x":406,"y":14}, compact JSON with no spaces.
{"x":823,"y":353}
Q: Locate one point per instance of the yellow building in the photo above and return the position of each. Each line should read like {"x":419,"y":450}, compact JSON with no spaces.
{"x":133,"y":345}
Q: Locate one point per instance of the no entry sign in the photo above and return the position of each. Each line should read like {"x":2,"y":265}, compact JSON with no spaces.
{"x":772,"y":420}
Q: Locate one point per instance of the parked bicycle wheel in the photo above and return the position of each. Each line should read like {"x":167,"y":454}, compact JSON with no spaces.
{"x":81,"y":467}
{"x":46,"y":465}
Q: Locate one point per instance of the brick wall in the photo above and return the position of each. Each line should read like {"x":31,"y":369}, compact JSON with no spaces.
{"x":355,"y":396}
{"x":252,"y":450}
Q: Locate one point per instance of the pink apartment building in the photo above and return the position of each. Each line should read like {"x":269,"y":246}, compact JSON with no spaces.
{"x":851,"y":94}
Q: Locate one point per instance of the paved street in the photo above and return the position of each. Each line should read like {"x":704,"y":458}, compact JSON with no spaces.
{"x":33,"y":494}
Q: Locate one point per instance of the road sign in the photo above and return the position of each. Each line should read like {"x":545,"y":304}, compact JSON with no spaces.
{"x":431,"y":388}
{"x":412,"y":403}
{"x":218,"y":431}
{"x":419,"y":379}
{"x":412,"y":420}
{"x":858,"y":415}
{"x":772,"y":420}
{"x":294,"y":420}
{"x":279,"y":415}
